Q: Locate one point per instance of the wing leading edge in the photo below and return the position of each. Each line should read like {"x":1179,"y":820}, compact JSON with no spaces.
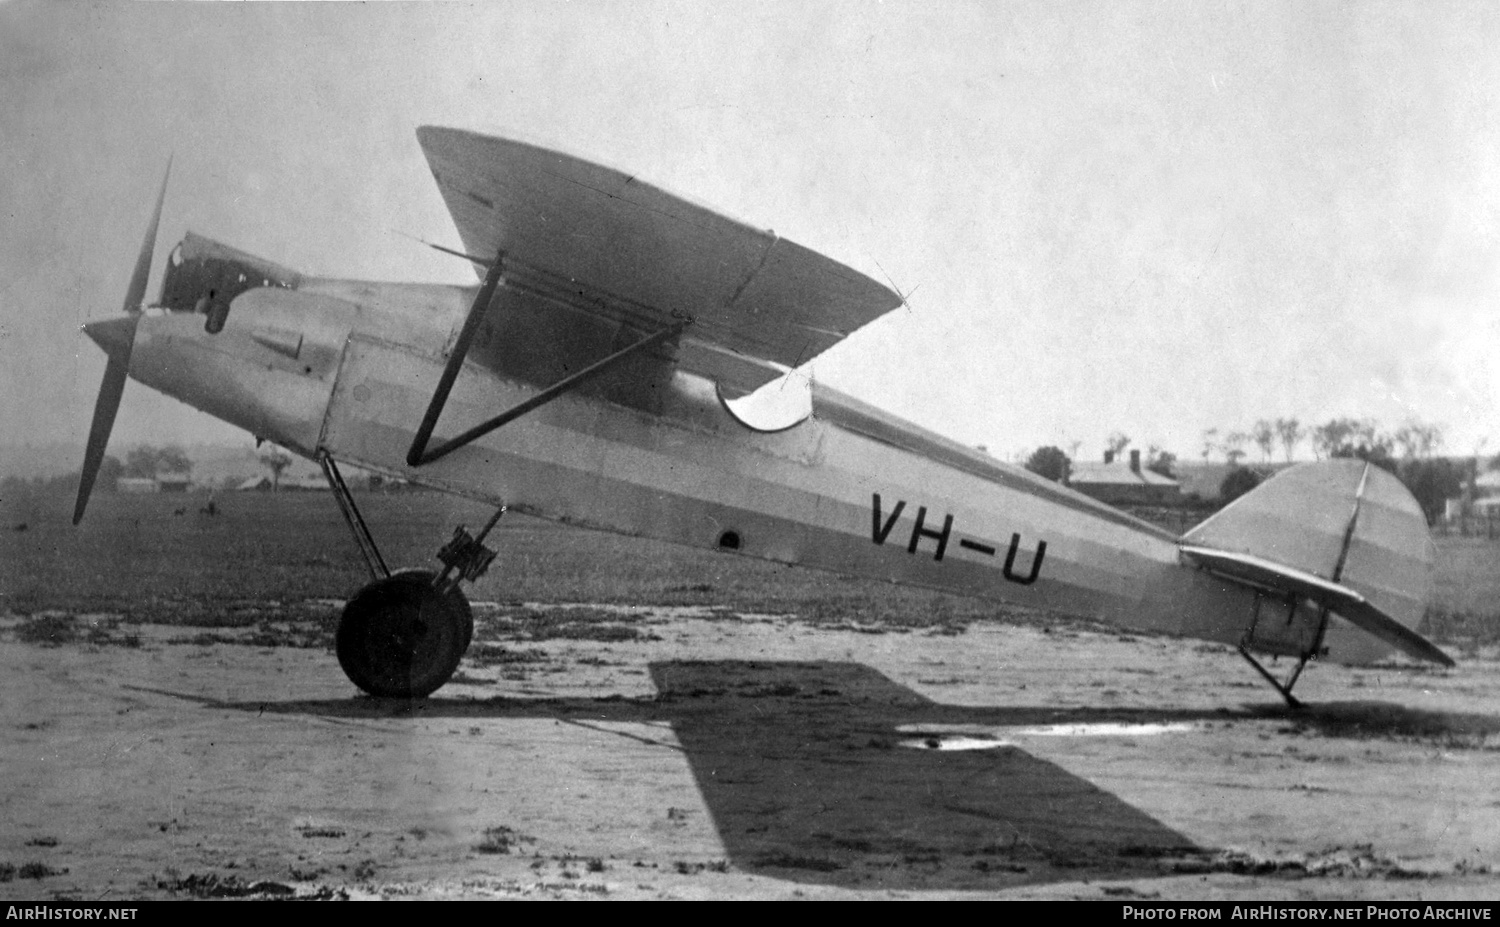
{"x":760,"y":303}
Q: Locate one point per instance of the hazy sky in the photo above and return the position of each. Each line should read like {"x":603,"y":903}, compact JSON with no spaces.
{"x":1155,"y":218}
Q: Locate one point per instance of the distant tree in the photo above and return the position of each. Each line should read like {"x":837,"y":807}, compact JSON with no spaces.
{"x":1233,"y":447}
{"x":1116,"y":443}
{"x":1331,"y":435}
{"x":1263,"y":433}
{"x":1418,"y":440}
{"x":1162,"y":462}
{"x":110,"y":471}
{"x":1291,"y":432}
{"x":1370,"y":435}
{"x":1354,"y":437}
{"x":1051,"y":463}
{"x":1210,"y":442}
{"x":146,"y":461}
{"x":276,"y":460}
{"x":140,"y":462}
{"x":1239,"y":481}
{"x":173,"y":459}
{"x":1376,"y":449}
{"x":1345,"y":437}
{"x":1433,"y":481}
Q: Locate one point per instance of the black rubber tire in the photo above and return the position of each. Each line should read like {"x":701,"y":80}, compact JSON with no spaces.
{"x":400,"y":638}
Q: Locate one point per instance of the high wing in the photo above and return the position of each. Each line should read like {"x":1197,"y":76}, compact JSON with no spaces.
{"x":636,"y":254}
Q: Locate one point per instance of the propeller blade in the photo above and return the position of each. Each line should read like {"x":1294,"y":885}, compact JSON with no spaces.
{"x":116,"y":336}
{"x":137,"y":292}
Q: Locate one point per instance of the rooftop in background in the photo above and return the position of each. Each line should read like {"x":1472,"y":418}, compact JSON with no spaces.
{"x":1122,"y":482}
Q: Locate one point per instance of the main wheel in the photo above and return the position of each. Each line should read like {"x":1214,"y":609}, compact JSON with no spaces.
{"x":401,"y":638}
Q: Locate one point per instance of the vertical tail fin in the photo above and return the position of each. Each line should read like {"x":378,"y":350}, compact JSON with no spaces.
{"x":1352,"y":526}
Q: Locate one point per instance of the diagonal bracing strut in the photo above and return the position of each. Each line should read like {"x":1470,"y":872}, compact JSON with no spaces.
{"x":420,"y":453}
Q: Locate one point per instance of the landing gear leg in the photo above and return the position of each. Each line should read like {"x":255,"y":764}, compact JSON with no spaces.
{"x":403,"y":634}
{"x":1284,"y":688}
{"x":1313,"y":650}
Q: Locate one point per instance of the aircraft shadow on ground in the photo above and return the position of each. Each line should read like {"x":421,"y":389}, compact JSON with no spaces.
{"x":1386,"y":721}
{"x":803,"y":767}
{"x":805,"y":773}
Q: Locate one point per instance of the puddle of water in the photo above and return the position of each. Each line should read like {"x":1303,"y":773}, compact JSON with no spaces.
{"x":1098,"y":729}
{"x":647,"y":611}
{"x":1107,"y":729}
{"x":954,"y":742}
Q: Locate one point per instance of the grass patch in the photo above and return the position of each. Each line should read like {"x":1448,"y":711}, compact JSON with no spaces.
{"x":311,"y":831}
{"x":256,"y":564}
{"x":212,"y":885}
{"x":792,"y":861}
{"x":47,"y":630}
{"x":1461,"y":628}
{"x":499,"y":840}
{"x":264,"y":553}
{"x":575,"y":623}
{"x":38,"y":870}
{"x":490,"y":654}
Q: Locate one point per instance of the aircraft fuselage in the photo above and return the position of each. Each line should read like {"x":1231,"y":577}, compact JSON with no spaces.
{"x":346,"y":368}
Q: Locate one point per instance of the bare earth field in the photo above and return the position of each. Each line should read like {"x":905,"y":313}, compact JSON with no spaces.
{"x":639,"y":721}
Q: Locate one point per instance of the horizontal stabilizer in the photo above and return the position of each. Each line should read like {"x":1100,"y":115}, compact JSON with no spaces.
{"x":1339,"y":599}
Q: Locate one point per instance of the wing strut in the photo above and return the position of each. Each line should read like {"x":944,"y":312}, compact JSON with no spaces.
{"x":420,"y":454}
{"x":414,"y":457}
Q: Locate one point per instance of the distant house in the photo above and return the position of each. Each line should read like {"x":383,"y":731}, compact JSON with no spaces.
{"x":285,"y":484}
{"x":1487,"y":493}
{"x":308,"y":483}
{"x":173,"y":482}
{"x":1123,"y":482}
{"x":314,"y":482}
{"x":136,"y":484}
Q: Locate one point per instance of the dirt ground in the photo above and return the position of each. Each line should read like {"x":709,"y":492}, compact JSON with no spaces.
{"x":705,"y":755}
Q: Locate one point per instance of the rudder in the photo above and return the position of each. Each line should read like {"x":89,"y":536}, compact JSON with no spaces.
{"x":1346,"y":522}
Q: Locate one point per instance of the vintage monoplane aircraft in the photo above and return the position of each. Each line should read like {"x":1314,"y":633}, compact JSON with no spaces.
{"x":597,"y":376}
